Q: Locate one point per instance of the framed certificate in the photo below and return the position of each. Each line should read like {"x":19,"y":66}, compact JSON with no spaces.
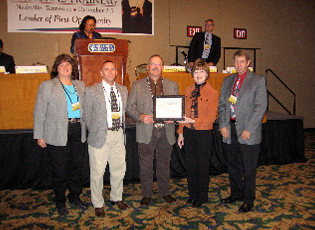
{"x":168,"y":108}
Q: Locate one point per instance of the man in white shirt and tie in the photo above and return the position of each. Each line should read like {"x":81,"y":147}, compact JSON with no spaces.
{"x":104,"y":114}
{"x":205,"y":45}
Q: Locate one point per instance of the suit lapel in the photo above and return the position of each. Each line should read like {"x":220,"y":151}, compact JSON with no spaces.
{"x":123,"y":97}
{"x":231,"y":84}
{"x":101,"y":96}
{"x":245,"y":84}
{"x":60,"y":92}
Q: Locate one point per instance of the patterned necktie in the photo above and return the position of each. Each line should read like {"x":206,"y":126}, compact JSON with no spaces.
{"x":114,"y":107}
{"x":207,"y":42}
{"x":235,"y":94}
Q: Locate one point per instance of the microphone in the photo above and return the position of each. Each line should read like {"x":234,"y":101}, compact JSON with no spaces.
{"x":183,"y":52}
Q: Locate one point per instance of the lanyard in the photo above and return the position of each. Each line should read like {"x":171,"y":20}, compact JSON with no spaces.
{"x":108,"y":97}
{"x":67,"y":91}
{"x":155,"y":89}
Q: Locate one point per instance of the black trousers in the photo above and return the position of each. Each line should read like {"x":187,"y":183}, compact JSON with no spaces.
{"x":198,"y":148}
{"x":66,"y":166}
{"x":242,"y":163}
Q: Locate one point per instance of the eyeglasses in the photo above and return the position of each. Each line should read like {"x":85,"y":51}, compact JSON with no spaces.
{"x":155,"y":64}
{"x":209,"y":24}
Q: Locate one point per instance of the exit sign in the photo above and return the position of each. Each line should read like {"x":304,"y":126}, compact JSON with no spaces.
{"x":191,"y":30}
{"x":240,"y":33}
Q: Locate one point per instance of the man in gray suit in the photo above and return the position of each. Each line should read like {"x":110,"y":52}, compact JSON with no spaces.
{"x":242,"y":105}
{"x":152,"y":136}
{"x":104,"y":116}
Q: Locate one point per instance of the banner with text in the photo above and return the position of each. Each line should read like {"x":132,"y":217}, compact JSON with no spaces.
{"x":65,"y":16}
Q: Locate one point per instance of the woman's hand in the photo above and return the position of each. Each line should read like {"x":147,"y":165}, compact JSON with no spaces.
{"x":180,"y":140}
{"x":188,"y":120}
{"x":41,"y":143}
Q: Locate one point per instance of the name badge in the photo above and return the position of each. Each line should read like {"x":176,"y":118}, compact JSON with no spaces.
{"x":75,"y":106}
{"x":233,"y":99}
{"x":207,"y":46}
{"x":115,"y":115}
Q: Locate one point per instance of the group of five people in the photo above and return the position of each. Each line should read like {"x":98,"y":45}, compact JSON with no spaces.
{"x":65,"y":109}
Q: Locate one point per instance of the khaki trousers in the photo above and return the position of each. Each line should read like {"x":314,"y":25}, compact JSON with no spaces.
{"x":113,"y":152}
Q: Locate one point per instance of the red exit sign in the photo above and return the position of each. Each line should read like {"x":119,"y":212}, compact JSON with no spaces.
{"x":191,"y":30}
{"x":240,"y":33}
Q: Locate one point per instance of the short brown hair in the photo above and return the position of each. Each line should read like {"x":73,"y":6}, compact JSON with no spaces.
{"x":60,"y":59}
{"x":210,"y":20}
{"x":202,"y":65}
{"x":241,"y":53}
{"x":155,"y":55}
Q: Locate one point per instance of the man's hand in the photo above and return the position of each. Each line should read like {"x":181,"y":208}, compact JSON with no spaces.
{"x":211,"y":64}
{"x":246,"y":135}
{"x":41,"y":143}
{"x":225,"y":132}
{"x":191,"y":64}
{"x":180,"y":140}
{"x":146,"y":119}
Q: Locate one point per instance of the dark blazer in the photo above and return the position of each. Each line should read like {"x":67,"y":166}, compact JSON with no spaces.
{"x":95,"y":113}
{"x":81,"y":34}
{"x":140,"y":102}
{"x":197,"y":46}
{"x":51,"y":113}
{"x":7,"y":61}
{"x":250,"y":107}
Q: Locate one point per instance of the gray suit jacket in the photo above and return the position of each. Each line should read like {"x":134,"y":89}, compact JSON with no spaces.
{"x":95,"y":113}
{"x":140,"y":102}
{"x":51,"y":114}
{"x":250,"y":107}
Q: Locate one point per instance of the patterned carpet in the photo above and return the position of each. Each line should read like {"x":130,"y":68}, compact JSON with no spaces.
{"x":285,"y":199}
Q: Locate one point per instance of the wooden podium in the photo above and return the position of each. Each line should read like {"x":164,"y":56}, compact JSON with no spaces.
{"x":92,"y":53}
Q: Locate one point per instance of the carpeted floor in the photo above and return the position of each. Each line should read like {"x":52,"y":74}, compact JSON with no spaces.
{"x":285,"y":199}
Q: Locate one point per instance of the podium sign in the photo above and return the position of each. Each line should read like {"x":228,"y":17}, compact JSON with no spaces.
{"x":92,"y":53}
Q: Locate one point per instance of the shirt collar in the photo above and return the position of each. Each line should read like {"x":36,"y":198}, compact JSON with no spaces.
{"x":107,"y":86}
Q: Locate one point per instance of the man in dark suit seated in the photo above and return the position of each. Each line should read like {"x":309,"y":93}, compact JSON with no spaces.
{"x":205,"y":45}
{"x":6,"y":60}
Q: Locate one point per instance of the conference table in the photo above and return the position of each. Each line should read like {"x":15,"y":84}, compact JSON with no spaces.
{"x":23,"y":164}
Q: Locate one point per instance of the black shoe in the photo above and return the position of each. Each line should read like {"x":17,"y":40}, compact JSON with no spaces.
{"x":196,"y":205}
{"x":145,"y":202}
{"x":169,"y":199}
{"x":190,"y":201}
{"x":246,"y":207}
{"x":63,"y":211}
{"x":121,"y":205}
{"x":231,"y":199}
{"x":79,"y":204}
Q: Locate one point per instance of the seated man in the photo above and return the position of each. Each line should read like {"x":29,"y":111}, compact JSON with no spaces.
{"x":6,"y":60}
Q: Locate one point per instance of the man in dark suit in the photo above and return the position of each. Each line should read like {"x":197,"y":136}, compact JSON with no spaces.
{"x":153,"y":136}
{"x":242,"y":105}
{"x":6,"y":60}
{"x":104,"y":115}
{"x":205,"y":45}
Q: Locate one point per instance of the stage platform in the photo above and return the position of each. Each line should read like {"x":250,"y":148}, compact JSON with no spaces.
{"x":23,"y":164}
